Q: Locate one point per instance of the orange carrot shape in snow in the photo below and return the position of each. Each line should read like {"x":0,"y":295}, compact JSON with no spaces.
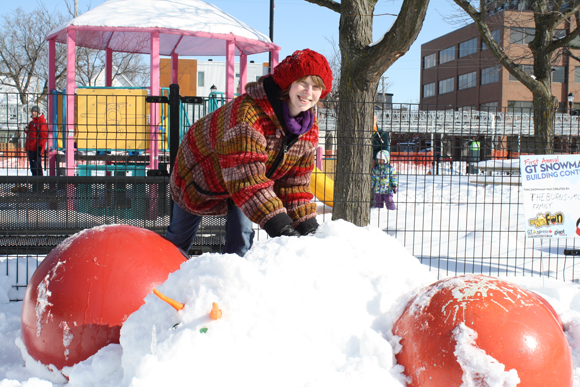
{"x":177,"y":305}
{"x":216,"y":312}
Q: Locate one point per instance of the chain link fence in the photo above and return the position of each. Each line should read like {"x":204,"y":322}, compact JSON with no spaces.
{"x":459,"y":201}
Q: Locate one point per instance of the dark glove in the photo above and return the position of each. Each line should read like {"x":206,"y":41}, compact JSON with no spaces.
{"x":394,"y":190}
{"x":309,"y":226}
{"x":288,"y":231}
{"x":279,"y":225}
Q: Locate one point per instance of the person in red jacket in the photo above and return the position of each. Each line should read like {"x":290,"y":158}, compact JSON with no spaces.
{"x":36,"y":138}
{"x":251,"y":159}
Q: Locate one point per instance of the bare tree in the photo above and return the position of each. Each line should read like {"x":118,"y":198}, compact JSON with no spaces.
{"x":24,"y":53}
{"x":23,"y":49}
{"x":91,"y":63}
{"x":334,"y":63}
{"x":547,"y":15}
{"x":362,"y":65}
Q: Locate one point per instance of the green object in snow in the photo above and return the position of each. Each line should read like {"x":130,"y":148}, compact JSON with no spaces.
{"x":203,"y":330}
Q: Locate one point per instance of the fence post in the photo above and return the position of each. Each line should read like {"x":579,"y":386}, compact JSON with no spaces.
{"x":174,"y":125}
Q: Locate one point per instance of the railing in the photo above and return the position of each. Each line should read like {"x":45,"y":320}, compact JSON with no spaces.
{"x":446,"y":217}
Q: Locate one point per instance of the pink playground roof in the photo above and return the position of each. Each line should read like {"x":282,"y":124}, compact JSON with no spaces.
{"x":185,"y":27}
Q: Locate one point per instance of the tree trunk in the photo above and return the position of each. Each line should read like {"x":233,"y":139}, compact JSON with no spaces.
{"x":362,"y":65}
{"x":545,"y":106}
{"x":352,"y":188}
{"x":358,"y":91}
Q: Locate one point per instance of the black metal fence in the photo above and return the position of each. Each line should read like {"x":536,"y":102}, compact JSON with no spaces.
{"x":459,"y":205}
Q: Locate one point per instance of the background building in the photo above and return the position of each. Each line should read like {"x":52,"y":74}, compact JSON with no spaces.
{"x":197,"y":77}
{"x":457,"y":69}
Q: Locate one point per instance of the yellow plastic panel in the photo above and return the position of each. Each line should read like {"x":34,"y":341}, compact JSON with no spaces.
{"x":112,"y":119}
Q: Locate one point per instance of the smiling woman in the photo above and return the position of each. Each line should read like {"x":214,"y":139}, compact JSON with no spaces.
{"x":304,"y":94}
{"x":252,"y":159}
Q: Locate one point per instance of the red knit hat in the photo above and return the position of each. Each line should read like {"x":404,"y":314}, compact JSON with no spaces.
{"x":300,"y":64}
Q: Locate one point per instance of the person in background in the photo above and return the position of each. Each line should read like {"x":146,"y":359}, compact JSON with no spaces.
{"x":251,"y":159}
{"x":384,"y":182}
{"x":381,"y":140}
{"x":36,"y":138}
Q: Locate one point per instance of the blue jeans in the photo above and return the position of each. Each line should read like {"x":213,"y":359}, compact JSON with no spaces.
{"x":239,"y":232}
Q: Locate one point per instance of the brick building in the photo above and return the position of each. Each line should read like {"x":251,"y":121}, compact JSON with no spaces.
{"x":457,"y":69}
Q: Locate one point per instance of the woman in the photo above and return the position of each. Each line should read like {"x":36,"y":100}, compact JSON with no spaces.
{"x":252,"y":158}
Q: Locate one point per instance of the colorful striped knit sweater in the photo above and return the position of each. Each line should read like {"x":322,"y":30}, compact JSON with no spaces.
{"x":230,"y":154}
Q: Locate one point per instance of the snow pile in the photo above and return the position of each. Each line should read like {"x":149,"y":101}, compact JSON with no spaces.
{"x":308,"y":311}
{"x":314,"y":309}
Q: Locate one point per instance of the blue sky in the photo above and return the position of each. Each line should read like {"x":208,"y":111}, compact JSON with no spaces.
{"x":299,"y":24}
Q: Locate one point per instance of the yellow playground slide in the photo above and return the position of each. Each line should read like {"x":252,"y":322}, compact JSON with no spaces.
{"x":322,"y":187}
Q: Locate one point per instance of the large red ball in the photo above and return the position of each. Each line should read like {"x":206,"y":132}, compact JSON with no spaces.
{"x":83,"y":291}
{"x":516,"y":327}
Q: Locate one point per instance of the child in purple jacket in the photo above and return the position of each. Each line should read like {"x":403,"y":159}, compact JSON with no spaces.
{"x":384,"y":181}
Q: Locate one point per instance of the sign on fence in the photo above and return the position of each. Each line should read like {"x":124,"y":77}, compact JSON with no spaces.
{"x":551,"y":188}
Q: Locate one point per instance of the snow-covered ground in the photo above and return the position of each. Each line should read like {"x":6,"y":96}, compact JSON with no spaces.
{"x":313,"y":310}
{"x":308,"y":311}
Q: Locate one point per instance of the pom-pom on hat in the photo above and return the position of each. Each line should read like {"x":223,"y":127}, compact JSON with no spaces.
{"x":300,"y":64}
{"x":383,"y":155}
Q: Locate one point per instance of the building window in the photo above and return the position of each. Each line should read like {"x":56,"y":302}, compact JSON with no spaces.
{"x":495,"y":35}
{"x":201,"y":78}
{"x":466,"y":81}
{"x":447,"y":55}
{"x":446,"y":85}
{"x":577,"y":75}
{"x":490,"y":107}
{"x":430,"y":61}
{"x":528,"y":69}
{"x":490,"y":75}
{"x":467,"y":48}
{"x":429,"y":90}
{"x":520,"y":106}
{"x":558,"y":74}
{"x":522,"y":35}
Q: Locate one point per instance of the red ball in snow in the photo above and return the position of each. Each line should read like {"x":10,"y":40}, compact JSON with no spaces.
{"x":83,"y":291}
{"x":508,"y":325}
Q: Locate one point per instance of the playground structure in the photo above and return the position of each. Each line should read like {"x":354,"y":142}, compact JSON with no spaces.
{"x":182,"y":29}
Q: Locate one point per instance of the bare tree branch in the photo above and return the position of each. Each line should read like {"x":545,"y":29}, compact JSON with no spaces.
{"x":332,"y":5}
{"x":545,"y":48}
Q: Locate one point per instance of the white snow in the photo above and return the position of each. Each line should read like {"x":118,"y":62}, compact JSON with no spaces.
{"x":306,"y":311}
{"x":480,"y":369}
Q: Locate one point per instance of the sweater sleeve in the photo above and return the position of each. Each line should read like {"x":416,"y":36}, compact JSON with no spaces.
{"x":242,"y":157}
{"x":294,"y":188}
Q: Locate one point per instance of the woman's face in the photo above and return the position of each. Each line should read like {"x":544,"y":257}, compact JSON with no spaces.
{"x":303,"y":95}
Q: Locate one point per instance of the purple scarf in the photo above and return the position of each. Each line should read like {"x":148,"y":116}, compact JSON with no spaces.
{"x":300,"y":124}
